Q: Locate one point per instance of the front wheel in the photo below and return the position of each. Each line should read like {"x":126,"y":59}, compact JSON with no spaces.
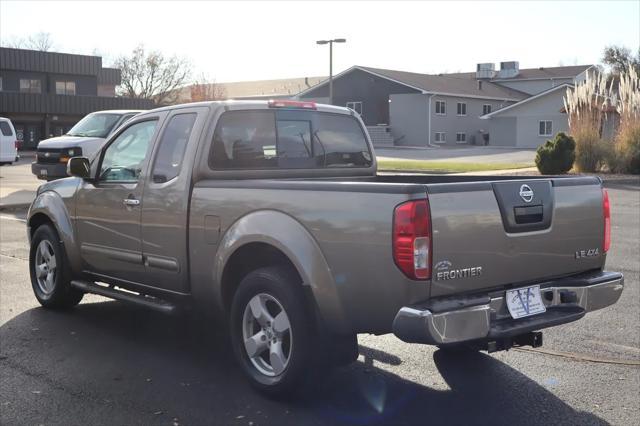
{"x":49,"y":269}
{"x":272,"y":331}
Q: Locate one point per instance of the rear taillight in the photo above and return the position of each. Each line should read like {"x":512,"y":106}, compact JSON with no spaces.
{"x":16,"y":144}
{"x":412,"y":239}
{"x":606,"y":209}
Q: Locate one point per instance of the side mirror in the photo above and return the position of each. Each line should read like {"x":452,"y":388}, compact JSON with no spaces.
{"x":79,"y":167}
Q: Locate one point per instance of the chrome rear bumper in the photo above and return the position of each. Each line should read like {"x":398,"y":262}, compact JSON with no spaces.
{"x":487,"y":318}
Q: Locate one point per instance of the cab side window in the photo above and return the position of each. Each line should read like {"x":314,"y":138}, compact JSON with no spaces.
{"x":172,"y":146}
{"x":123,"y":158}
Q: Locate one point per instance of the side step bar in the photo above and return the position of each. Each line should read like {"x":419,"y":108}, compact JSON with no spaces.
{"x":149,"y":302}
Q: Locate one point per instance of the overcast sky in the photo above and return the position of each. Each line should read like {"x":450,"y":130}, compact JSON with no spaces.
{"x":263,"y":40}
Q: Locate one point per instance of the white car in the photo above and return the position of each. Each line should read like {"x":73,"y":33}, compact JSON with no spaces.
{"x":8,"y":142}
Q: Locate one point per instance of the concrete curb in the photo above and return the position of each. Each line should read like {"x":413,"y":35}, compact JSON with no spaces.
{"x":449,"y":147}
{"x":400,"y":148}
{"x":14,"y":207}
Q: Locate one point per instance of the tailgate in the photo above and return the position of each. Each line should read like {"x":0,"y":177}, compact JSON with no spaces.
{"x":494,"y":234}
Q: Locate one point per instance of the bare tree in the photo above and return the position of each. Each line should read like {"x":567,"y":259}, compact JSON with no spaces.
{"x":151,"y":75}
{"x":621,"y":59}
{"x":40,"y":41}
{"x":13,"y":42}
{"x":206,"y":89}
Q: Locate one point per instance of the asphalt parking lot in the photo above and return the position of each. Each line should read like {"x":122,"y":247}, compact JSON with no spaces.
{"x":107,"y":362}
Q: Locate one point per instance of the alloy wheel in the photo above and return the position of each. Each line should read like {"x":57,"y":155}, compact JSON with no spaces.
{"x":45,"y":266}
{"x":267,"y":336}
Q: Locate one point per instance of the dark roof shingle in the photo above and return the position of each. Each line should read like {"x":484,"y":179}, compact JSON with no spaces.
{"x":533,"y":73}
{"x":449,"y":84}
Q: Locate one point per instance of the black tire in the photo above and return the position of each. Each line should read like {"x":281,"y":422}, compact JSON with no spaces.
{"x":281,"y":284}
{"x":57,"y":293}
{"x":342,"y":350}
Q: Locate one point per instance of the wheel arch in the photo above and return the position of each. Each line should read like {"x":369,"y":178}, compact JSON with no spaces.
{"x":269,"y":237}
{"x":247,"y":258}
{"x":49,"y":208}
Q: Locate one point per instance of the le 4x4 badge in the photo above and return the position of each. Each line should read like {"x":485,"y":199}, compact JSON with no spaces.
{"x":587,"y":253}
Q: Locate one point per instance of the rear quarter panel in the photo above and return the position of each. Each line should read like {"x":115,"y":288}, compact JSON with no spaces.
{"x":352,"y":231}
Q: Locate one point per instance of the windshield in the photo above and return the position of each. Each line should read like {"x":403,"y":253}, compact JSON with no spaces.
{"x":95,"y":125}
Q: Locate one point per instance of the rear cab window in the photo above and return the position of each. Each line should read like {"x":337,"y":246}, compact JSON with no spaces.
{"x":288,"y":139}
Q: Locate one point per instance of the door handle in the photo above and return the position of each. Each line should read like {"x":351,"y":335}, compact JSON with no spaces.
{"x":131,"y":202}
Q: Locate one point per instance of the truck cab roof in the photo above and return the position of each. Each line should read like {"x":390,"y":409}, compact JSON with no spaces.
{"x":255,"y":104}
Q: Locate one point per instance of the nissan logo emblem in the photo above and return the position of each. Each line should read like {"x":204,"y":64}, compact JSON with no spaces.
{"x":526,"y":193}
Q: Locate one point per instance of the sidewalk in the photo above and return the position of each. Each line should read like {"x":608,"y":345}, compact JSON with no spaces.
{"x":17,"y":185}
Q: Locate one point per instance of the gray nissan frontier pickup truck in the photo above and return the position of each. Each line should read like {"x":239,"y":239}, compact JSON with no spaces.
{"x":271,"y":215}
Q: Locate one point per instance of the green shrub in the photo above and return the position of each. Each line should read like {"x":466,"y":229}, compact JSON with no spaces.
{"x":556,"y":156}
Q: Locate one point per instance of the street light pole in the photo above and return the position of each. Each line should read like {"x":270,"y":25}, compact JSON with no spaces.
{"x":331,"y":72}
{"x":330,"y":43}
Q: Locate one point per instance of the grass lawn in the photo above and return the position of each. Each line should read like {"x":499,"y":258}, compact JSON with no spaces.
{"x":446,"y":166}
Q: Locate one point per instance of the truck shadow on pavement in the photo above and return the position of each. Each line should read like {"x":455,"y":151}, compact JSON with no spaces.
{"x":112,"y":363}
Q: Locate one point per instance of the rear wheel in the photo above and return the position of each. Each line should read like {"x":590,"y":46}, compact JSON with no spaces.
{"x":50,"y":273}
{"x":272,"y":331}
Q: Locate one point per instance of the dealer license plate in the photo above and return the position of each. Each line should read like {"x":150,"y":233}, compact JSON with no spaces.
{"x":43,"y":172}
{"x":524,"y":302}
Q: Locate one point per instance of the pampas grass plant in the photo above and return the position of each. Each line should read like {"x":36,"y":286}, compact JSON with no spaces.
{"x":588,"y":106}
{"x":627,"y":147}
{"x":584,"y":105}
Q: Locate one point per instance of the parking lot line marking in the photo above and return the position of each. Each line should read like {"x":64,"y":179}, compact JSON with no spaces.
{"x":581,"y":357}
{"x":13,"y":218}
{"x":13,"y":257}
{"x":615,"y":345}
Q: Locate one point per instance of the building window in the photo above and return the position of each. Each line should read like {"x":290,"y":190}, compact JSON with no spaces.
{"x":441,"y":137}
{"x":0,"y":84}
{"x":356,"y":106}
{"x":65,"y":88}
{"x":441,"y":107}
{"x":462,"y":108}
{"x":461,"y":137}
{"x":545,"y":128}
{"x":486,"y":109}
{"x":29,"y":85}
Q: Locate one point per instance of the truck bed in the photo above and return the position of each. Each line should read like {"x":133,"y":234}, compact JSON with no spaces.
{"x":472,"y":225}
